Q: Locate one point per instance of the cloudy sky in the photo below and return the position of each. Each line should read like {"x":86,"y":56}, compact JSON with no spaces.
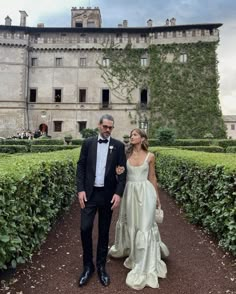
{"x":57,"y":13}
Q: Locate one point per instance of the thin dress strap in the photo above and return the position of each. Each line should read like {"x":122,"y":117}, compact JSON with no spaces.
{"x":146,"y":157}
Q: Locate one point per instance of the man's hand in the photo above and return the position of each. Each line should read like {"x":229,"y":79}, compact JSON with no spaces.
{"x":115,"y":201}
{"x":82,"y":199}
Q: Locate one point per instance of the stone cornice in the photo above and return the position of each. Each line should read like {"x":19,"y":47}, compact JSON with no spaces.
{"x":35,"y":30}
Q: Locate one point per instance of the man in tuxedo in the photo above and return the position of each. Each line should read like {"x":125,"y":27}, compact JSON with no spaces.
{"x":99,"y":190}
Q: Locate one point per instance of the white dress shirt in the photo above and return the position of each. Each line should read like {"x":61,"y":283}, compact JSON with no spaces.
{"x":102,"y":151}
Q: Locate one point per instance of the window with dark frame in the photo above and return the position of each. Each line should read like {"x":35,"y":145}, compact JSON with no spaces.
{"x":143,"y":98}
{"x":78,"y":24}
{"x":82,"y":125}
{"x":83,"y":62}
{"x":105,"y":98}
{"x":34,"y":61}
{"x":32,"y":95}
{"x":57,"y":126}
{"x":82,"y":95}
{"x":58,"y":61}
{"x":57,"y":95}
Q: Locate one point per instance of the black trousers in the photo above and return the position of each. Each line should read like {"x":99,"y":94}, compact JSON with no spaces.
{"x":97,"y":203}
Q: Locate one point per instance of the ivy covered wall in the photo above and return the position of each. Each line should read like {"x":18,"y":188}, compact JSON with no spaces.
{"x":183,"y":95}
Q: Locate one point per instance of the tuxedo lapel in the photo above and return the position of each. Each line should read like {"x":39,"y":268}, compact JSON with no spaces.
{"x":94,"y":153}
{"x":109,"y":155}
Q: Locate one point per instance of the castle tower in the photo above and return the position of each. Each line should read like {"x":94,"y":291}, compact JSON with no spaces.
{"x":86,"y":17}
{"x":23,"y":16}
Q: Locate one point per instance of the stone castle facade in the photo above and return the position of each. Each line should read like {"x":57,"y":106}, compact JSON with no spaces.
{"x":50,"y":78}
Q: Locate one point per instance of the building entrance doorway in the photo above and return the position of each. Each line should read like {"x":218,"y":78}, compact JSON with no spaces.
{"x":43,"y":129}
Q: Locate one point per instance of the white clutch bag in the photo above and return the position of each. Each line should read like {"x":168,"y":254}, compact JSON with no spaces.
{"x":159,"y":215}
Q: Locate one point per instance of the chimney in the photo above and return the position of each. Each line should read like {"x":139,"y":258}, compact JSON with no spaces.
{"x":8,"y":21}
{"x":125,"y":23}
{"x":173,"y":21}
{"x":149,"y":23}
{"x":23,"y":16}
{"x":40,"y":25}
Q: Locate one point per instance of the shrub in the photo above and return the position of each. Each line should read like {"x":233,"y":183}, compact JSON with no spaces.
{"x":165,"y":136}
{"x":86,"y":133}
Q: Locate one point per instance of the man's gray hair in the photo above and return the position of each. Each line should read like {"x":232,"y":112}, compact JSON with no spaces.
{"x":106,"y":116}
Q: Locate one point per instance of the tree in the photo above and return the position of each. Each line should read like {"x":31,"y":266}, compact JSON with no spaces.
{"x":86,"y":133}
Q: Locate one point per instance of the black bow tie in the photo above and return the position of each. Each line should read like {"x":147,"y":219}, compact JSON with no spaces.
{"x":102,"y":141}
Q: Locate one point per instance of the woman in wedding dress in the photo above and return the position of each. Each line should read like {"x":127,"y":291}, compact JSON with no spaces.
{"x":137,"y":236}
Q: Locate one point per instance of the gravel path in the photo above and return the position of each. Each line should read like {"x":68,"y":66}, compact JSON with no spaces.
{"x":196,"y":265}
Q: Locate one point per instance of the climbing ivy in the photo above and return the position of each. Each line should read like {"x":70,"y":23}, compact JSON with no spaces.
{"x":183,"y":95}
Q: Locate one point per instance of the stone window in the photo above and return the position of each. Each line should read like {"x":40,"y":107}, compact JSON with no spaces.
{"x":83,"y":62}
{"x":233,"y":127}
{"x":106,"y":62}
{"x":78,"y":24}
{"x":57,"y":95}
{"x":57,"y":126}
{"x":143,"y":61}
{"x":82,"y":125}
{"x":105,"y":98}
{"x":91,"y":24}
{"x":58,"y":61}
{"x":183,"y":58}
{"x":82,"y":95}
{"x":34,"y":61}
{"x":33,"y":95}
{"x":143,"y":98}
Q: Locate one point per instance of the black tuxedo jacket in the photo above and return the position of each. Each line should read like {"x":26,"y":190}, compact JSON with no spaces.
{"x":86,"y":168}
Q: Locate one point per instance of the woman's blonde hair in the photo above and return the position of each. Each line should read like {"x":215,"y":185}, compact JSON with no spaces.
{"x":144,"y":144}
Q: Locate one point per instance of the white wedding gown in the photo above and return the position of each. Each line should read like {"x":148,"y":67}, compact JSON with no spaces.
{"x":137,"y":235}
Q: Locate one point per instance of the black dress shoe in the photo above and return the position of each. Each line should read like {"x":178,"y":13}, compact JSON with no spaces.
{"x":103,"y":276}
{"x":85,"y":276}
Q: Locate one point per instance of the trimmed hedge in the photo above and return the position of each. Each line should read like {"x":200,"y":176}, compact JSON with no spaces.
{"x":14,"y":149}
{"x":192,"y":142}
{"x":183,"y":142}
{"x":204,"y":184}
{"x":16,"y":142}
{"x":34,"y":190}
{"x":49,"y":148}
{"x":77,"y":142}
{"x":231,"y":149}
{"x":226,"y":143}
{"x":203,"y":148}
{"x":47,"y":142}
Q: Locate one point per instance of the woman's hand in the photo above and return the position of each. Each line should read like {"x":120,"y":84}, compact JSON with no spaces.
{"x":119,"y":170}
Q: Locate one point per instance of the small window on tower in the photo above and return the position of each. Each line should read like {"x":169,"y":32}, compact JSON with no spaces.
{"x":34,"y":61}
{"x":82,"y":62}
{"x":78,"y":24}
{"x":58,"y":61}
